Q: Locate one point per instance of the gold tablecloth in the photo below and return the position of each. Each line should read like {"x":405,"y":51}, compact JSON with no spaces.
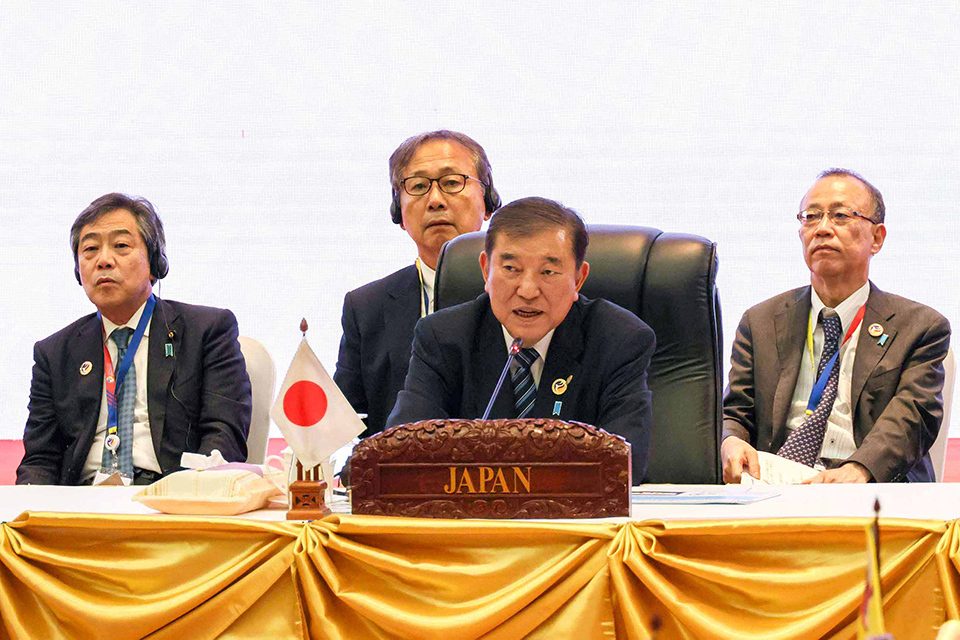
{"x":101,"y":576}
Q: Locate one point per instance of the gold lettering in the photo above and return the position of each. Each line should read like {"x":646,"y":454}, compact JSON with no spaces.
{"x":500,"y":481}
{"x":486,"y":475}
{"x":465,"y":480}
{"x":524,"y":480}
{"x":451,"y":486}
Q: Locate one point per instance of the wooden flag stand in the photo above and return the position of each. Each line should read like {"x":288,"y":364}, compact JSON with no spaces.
{"x":306,"y":495}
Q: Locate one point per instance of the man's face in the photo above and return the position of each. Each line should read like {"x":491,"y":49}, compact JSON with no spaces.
{"x":114,"y":267}
{"x":831,"y":251}
{"x":436,"y":217}
{"x":532,"y":282}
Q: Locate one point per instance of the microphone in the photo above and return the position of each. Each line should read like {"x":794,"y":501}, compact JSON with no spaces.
{"x":514,"y":350}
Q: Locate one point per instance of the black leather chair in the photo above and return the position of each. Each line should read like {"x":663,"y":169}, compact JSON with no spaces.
{"x":669,"y":281}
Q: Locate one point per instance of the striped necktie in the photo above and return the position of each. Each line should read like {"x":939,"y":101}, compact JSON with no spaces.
{"x":524,"y":390}
{"x":126,"y":401}
{"x":805,"y":442}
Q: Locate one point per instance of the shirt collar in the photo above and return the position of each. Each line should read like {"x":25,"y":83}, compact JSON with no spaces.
{"x":109,"y":326}
{"x":847,"y":310}
{"x":429,"y":278}
{"x":541,"y":346}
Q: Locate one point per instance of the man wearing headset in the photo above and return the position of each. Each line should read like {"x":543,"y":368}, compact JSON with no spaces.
{"x":442,"y":187}
{"x":125,"y":391}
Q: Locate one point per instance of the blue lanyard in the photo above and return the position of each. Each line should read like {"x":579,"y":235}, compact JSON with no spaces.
{"x":113,"y":382}
{"x":821,"y":382}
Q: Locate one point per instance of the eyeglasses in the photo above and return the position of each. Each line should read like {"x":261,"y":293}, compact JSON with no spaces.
{"x":838,"y":217}
{"x":450,"y":183}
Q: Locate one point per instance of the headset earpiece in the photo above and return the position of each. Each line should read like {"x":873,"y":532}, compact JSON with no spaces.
{"x":396,"y":214}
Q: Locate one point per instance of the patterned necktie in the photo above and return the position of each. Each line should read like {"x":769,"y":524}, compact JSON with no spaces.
{"x":524,"y":390}
{"x":126,"y":400}
{"x":805,"y":442}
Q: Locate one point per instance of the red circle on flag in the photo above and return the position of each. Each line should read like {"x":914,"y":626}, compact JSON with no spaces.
{"x":304,"y":403}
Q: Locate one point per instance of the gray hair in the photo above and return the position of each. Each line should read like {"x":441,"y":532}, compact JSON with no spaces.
{"x":880,"y":211}
{"x":148,"y":224}
{"x":400,"y":158}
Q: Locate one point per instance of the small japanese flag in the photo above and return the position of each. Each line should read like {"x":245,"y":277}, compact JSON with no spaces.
{"x":311,"y":411}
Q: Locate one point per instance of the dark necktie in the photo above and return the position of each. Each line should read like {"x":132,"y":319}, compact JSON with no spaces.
{"x":126,"y":401}
{"x":805,"y":442}
{"x":524,"y":390}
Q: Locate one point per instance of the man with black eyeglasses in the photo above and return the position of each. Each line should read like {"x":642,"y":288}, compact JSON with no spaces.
{"x":442,"y":187}
{"x":839,"y":375}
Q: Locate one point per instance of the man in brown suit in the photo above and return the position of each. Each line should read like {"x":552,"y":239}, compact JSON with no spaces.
{"x":887,"y":404}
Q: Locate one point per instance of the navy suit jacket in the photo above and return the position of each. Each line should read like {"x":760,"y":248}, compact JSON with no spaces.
{"x":895,"y":391}
{"x":198,"y":400}
{"x":378,"y":320}
{"x":458,"y":354}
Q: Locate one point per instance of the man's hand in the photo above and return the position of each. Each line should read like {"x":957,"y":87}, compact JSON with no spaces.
{"x":849,"y":472}
{"x":735,"y":456}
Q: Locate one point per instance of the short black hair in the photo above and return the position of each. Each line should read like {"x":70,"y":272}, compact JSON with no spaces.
{"x":529,"y":216}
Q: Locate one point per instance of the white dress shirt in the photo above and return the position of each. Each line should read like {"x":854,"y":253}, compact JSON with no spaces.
{"x":144,"y":456}
{"x":536,"y":369}
{"x":838,"y":440}
{"x":428,"y":278}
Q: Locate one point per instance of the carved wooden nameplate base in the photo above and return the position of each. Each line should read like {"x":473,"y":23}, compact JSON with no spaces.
{"x":306,"y":495}
{"x":531,"y":468}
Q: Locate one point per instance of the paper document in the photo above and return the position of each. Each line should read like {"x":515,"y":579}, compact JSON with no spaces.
{"x":777,"y":470}
{"x":706,"y":495}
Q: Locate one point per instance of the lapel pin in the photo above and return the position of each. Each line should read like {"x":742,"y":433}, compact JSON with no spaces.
{"x":556,"y":407}
{"x":883,"y":339}
{"x":86,"y":367}
{"x":560,"y":385}
{"x":875,"y":329}
{"x":168,"y":348}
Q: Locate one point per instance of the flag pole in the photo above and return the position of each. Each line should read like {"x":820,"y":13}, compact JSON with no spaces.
{"x":876,"y":531}
{"x":303,"y":327}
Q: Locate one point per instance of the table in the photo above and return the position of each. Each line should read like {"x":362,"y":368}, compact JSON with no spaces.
{"x":88,"y":562}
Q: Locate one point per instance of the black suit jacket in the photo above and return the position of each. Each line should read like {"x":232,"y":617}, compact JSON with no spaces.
{"x":378,"y":320}
{"x":895,"y":390}
{"x":458,"y":354}
{"x":198,"y":400}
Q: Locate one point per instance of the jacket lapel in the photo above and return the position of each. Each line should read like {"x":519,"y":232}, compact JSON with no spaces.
{"x":401,"y":313}
{"x":790,"y":324}
{"x":160,"y":366}
{"x":563,"y":362}
{"x":489,"y":358}
{"x":89,"y":388}
{"x":869,"y":351}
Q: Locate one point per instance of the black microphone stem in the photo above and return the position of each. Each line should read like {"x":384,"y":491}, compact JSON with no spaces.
{"x":514,"y":350}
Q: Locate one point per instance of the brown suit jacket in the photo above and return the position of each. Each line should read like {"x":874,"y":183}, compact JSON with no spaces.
{"x":896,"y":387}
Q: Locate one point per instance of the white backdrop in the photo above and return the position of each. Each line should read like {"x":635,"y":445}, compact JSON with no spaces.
{"x":261,"y":132}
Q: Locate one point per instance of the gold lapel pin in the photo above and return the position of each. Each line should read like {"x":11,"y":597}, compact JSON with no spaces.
{"x":86,"y":367}
{"x":875,"y":329}
{"x":560,"y":385}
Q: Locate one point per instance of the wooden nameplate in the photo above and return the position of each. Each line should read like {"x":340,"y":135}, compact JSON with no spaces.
{"x":531,"y":468}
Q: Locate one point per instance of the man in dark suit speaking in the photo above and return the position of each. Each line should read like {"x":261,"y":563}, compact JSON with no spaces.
{"x":130,"y":388}
{"x":583,"y":360}
{"x":442,"y":187}
{"x":837,"y":375}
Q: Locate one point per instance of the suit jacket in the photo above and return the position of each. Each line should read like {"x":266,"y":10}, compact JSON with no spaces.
{"x":895,"y":390}
{"x":198,"y":400}
{"x":458,"y":354}
{"x":378,"y":320}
